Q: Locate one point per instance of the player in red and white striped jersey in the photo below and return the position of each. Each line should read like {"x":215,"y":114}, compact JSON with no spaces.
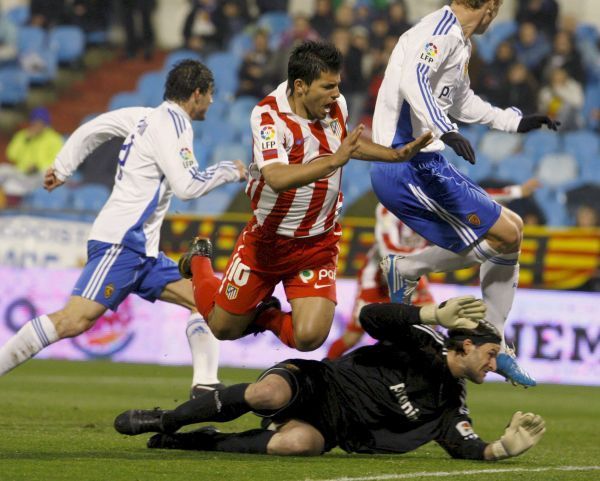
{"x":300,"y":145}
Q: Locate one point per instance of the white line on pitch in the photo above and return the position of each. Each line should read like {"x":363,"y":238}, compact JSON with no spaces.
{"x":442,"y":474}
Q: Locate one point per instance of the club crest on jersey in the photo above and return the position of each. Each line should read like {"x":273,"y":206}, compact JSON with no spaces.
{"x":474,"y":219}
{"x":187,"y":157}
{"x":336,"y":127}
{"x":429,"y":52}
{"x":231,"y":292}
{"x":306,"y":276}
{"x":108,"y":290}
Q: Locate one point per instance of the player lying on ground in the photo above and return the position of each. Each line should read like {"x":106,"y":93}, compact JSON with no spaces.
{"x":391,"y":397}
{"x":156,"y":162}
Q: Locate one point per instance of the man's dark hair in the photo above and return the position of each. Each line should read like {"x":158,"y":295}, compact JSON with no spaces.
{"x":309,"y":59}
{"x":482,"y":334}
{"x":474,"y":4}
{"x":185,"y":77}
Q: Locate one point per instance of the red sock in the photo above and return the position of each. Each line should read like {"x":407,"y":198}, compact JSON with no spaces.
{"x":205,"y":284}
{"x":338,"y":348}
{"x":280,"y":323}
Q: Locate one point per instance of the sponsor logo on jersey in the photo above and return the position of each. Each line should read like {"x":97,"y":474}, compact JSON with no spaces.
{"x":336,"y":128}
{"x":474,"y":219}
{"x":108,"y":290}
{"x":399,"y":392}
{"x":231,"y":292}
{"x":187,"y":157}
{"x":306,"y":276}
{"x":429,"y":52}
{"x":466,"y":430}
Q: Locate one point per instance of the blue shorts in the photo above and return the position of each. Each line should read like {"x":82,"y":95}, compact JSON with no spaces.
{"x":435,"y":200}
{"x":114,"y":271}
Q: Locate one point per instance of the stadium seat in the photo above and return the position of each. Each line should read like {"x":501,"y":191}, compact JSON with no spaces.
{"x":275,"y":22}
{"x":14,"y":86}
{"x":238,"y":114}
{"x":499,"y":145}
{"x":558,"y":169}
{"x":516,"y":168}
{"x":31,"y":39}
{"x":70,"y":43}
{"x":225,"y":67}
{"x":216,"y":201}
{"x":43,"y":65}
{"x":18,"y":15}
{"x":126,"y":99}
{"x":240,"y":44}
{"x":498,"y":32}
{"x":151,"y":87}
{"x":356,"y":180}
{"x":541,"y":142}
{"x":215,"y":131}
{"x":230,"y":152}
{"x":89,"y":197}
{"x":97,"y":37}
{"x":179,"y":206}
{"x":179,"y":55}
{"x":587,"y":32}
{"x":202,"y":152}
{"x":482,"y":169}
{"x":58,"y":199}
{"x":553,"y":203}
{"x":582,"y":144}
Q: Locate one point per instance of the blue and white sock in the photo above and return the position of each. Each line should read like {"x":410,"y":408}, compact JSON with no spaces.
{"x":34,"y":336}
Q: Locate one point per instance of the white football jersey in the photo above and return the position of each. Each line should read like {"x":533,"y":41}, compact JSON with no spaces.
{"x":156,"y":161}
{"x":426,"y":81}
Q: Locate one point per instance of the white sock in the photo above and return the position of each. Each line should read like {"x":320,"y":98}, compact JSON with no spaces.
{"x":205,"y":351}
{"x":34,"y":336}
{"x":499,"y":279}
{"x":437,"y":259}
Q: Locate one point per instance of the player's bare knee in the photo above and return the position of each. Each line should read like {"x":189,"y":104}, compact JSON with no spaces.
{"x":306,"y":342}
{"x":296,"y":442}
{"x":273,"y":392}
{"x":69,"y":324}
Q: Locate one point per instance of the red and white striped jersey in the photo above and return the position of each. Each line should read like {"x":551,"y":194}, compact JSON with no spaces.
{"x":281,"y":136}
{"x":393,"y":236}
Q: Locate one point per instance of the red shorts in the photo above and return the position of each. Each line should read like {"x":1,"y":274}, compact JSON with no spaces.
{"x":306,"y":266}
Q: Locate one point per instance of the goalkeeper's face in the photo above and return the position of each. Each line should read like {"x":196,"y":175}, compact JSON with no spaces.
{"x":479,"y":360}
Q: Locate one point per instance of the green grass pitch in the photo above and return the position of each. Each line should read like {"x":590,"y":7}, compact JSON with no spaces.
{"x":56,"y":424}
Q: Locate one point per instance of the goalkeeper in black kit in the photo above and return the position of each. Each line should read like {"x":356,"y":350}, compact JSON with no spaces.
{"x":391,"y":397}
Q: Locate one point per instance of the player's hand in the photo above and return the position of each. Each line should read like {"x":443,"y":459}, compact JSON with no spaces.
{"x":51,"y":181}
{"x":242,"y":170}
{"x":524,"y":431}
{"x":463,"y":312}
{"x":409,"y":150}
{"x":349,"y":146}
{"x":460,"y":145}
{"x":530,"y":186}
{"x":532,"y":122}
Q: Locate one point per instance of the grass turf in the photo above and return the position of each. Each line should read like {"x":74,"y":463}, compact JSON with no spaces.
{"x":56,"y":424}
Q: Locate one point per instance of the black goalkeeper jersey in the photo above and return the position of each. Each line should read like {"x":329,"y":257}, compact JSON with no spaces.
{"x":393,"y":396}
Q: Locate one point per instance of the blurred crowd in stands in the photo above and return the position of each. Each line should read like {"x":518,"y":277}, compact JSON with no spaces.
{"x":539,"y":60}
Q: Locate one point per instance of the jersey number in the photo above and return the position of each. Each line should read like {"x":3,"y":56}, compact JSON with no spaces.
{"x":124,"y":154}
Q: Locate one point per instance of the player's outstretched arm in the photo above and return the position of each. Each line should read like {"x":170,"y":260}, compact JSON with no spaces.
{"x":463,"y":312}
{"x":369,"y":150}
{"x":281,"y":177}
{"x":524,"y":431}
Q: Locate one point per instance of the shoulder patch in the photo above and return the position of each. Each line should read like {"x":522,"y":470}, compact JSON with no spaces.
{"x":267,"y":138}
{"x":466,"y":430}
{"x":187,"y":157}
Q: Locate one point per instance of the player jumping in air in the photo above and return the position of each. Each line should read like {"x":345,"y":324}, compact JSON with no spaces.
{"x":426,"y":83}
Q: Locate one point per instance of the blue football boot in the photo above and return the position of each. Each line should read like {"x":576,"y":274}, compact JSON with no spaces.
{"x":507,"y":366}
{"x":401,"y":288}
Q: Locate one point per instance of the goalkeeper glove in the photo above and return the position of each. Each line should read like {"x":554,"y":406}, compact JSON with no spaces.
{"x":532,"y":122}
{"x":456,"y":313}
{"x":460,"y":145}
{"x":523,"y":432}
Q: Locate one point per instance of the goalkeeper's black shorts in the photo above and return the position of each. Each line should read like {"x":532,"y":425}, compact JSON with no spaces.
{"x":316,"y":401}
